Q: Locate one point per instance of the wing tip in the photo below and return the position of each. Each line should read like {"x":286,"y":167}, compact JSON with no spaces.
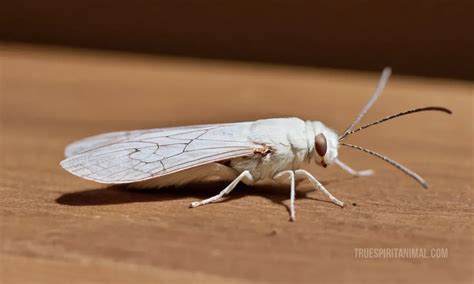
{"x":70,"y":169}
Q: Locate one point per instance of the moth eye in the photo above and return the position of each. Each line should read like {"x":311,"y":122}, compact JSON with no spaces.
{"x":320,"y":144}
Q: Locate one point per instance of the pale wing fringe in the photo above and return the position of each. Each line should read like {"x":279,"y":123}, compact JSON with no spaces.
{"x":152,"y":154}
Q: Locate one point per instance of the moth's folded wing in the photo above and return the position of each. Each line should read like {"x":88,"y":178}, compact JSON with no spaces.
{"x":101,"y":140}
{"x":156,"y":154}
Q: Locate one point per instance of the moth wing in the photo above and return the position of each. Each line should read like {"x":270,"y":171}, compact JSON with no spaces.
{"x":157,"y":153}
{"x":105,"y":139}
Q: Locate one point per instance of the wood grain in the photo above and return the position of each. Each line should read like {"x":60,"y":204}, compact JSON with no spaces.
{"x":56,"y":227}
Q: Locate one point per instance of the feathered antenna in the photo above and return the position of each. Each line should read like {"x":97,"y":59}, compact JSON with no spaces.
{"x":350,"y":130}
{"x":430,"y":108}
{"x":387,"y":71}
{"x":399,"y":166}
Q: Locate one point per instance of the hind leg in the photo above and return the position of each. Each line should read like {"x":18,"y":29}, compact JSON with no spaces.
{"x":245,"y":176}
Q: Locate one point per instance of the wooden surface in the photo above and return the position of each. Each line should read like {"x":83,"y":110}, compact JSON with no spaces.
{"x":57,"y":228}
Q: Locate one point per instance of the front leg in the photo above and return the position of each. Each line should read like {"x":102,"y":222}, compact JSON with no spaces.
{"x":291,"y":176}
{"x":319,"y":186}
{"x":364,"y":173}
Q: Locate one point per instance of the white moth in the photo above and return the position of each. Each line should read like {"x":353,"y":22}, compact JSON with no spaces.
{"x":247,"y":152}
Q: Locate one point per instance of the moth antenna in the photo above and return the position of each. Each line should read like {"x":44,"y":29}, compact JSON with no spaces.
{"x":399,"y":166}
{"x":387,"y":71}
{"x":430,"y":108}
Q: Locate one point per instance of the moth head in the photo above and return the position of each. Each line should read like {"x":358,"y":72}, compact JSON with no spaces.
{"x":325,"y":145}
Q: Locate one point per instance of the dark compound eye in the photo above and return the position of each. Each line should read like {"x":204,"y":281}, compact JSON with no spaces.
{"x":320,"y":144}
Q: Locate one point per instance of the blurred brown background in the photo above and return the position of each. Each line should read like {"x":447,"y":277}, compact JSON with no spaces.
{"x":428,"y":38}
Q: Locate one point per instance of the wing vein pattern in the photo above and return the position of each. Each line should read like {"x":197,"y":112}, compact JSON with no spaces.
{"x":124,"y":157}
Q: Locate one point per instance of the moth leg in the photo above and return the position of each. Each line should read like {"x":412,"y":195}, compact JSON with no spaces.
{"x":291,"y":176}
{"x":319,"y":186}
{"x":364,"y":173}
{"x":244,"y":175}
